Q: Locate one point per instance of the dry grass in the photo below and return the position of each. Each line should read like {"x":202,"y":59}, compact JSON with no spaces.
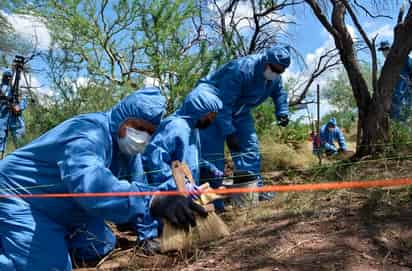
{"x":284,"y":156}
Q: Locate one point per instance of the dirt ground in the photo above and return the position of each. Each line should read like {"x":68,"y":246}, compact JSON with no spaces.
{"x":348,"y":230}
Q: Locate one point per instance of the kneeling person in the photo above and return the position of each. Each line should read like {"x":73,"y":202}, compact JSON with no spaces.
{"x":84,"y":154}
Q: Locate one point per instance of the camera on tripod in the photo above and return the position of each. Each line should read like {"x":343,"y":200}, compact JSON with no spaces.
{"x":19,"y":62}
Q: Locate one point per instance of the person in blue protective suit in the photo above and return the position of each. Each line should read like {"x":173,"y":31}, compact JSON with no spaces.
{"x":177,"y":138}
{"x":11,"y":118}
{"x":402,"y":96}
{"x":329,"y":133}
{"x":243,"y":84}
{"x":82,"y":155}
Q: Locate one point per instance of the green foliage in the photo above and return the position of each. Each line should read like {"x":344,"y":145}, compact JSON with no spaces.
{"x":401,"y":136}
{"x":10,"y":42}
{"x":40,"y":118}
{"x":167,"y":40}
{"x":339,"y":93}
{"x":122,"y":42}
{"x":264,"y":117}
{"x":265,"y":123}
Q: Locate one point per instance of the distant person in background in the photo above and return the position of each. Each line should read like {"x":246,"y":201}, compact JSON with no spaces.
{"x":402,"y":95}
{"x":329,"y":134}
{"x":11,"y":118}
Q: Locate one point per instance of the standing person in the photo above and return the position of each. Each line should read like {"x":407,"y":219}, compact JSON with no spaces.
{"x":329,"y":133}
{"x":177,"y":138}
{"x":243,"y":84}
{"x":11,"y":118}
{"x":402,"y":95}
{"x":81,"y":155}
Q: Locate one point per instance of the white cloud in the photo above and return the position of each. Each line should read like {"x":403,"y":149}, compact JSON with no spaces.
{"x":151,"y":82}
{"x":36,"y":86}
{"x":82,"y":81}
{"x":384,"y":32}
{"x":31,"y":29}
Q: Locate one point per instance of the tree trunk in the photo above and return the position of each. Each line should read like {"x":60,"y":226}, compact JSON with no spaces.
{"x":373,"y":123}
{"x":373,"y":129}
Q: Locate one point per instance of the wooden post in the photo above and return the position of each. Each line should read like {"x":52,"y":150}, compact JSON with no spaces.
{"x":318,"y":123}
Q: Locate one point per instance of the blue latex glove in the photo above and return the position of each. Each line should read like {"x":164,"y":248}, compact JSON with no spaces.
{"x":193,"y":190}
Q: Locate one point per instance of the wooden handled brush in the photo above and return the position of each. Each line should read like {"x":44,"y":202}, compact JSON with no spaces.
{"x":210,"y":228}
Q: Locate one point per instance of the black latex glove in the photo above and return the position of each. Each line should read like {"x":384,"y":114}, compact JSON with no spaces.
{"x":283,"y":121}
{"x":233,"y":143}
{"x":178,"y":210}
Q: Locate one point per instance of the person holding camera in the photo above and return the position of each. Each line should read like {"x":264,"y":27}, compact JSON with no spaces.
{"x":11,"y":118}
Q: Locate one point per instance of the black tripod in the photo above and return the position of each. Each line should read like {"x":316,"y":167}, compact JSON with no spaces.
{"x":13,"y":101}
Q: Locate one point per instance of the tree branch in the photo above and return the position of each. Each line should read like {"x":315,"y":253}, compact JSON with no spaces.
{"x":322,"y":17}
{"x":367,"y":12}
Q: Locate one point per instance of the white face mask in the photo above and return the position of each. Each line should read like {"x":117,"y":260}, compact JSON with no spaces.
{"x":134,"y":142}
{"x":269,"y":75}
{"x":331,"y":130}
{"x":385,"y":53}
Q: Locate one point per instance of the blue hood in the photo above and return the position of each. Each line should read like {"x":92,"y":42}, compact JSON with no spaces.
{"x":277,"y":55}
{"x":198,"y":103}
{"x":148,"y":104}
{"x":7,"y":73}
{"x":333,"y":122}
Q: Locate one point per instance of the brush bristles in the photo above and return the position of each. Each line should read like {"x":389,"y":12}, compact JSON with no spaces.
{"x":209,"y":228}
{"x":175,"y":239}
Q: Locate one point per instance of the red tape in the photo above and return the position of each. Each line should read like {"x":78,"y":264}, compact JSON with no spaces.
{"x":267,"y":188}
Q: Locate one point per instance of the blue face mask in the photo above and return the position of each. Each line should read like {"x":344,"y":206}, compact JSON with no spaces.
{"x":133,"y":142}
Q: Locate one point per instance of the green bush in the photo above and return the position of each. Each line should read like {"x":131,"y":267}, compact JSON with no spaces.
{"x":401,"y":136}
{"x":265,"y":123}
{"x":40,"y":118}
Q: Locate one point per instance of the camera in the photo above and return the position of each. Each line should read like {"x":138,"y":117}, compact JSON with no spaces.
{"x":18,"y":62}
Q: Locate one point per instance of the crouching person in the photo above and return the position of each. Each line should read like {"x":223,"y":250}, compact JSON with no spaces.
{"x":329,"y":133}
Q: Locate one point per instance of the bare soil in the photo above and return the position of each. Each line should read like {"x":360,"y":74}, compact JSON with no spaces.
{"x":347,"y":230}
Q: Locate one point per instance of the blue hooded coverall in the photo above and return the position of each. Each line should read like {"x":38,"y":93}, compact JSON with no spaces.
{"x":177,"y":138}
{"x":327,"y":138}
{"x":80,"y":155}
{"x":9,"y":123}
{"x":402,"y":95}
{"x":241,"y":86}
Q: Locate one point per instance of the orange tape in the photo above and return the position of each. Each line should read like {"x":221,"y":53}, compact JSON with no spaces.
{"x":267,"y":188}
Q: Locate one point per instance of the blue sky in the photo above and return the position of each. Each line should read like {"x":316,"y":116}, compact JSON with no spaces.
{"x":307,"y":36}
